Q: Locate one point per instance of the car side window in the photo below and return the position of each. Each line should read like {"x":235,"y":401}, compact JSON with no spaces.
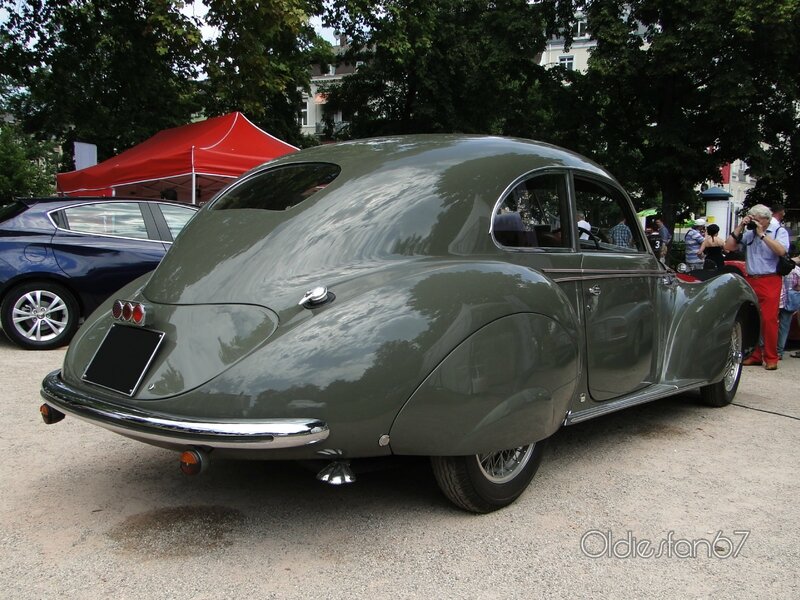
{"x":122,"y":219}
{"x":612,"y":224}
{"x":176,"y":217}
{"x":532,"y":213}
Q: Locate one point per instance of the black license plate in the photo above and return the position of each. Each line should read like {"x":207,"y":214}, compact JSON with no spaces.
{"x":123,"y":358}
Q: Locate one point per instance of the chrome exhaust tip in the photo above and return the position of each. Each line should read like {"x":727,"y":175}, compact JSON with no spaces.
{"x":337,"y":473}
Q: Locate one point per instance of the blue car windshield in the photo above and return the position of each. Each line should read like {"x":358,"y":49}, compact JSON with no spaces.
{"x":280,"y":188}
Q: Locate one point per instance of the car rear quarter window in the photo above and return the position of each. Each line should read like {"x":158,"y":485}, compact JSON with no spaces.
{"x":122,"y":219}
{"x":176,"y":217}
{"x":280,"y":188}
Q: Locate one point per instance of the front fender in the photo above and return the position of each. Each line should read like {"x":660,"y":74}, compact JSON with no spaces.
{"x":507,"y":385}
{"x":700,"y":336}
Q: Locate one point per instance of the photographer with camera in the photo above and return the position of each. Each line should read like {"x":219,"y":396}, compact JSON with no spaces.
{"x":764,"y":240}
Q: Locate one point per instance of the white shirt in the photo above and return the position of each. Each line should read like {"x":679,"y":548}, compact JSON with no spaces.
{"x":583,"y":223}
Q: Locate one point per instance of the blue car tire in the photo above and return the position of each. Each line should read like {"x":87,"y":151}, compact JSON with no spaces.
{"x":39,"y":315}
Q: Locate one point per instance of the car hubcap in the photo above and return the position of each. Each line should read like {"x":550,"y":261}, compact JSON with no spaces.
{"x":734,"y":363}
{"x":503,"y":466}
{"x":40,"y":315}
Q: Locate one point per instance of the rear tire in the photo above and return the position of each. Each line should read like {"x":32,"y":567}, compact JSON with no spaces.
{"x":39,"y":315}
{"x":483,"y":483}
{"x":721,"y":393}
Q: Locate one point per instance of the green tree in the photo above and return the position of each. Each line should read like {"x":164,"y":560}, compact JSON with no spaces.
{"x":776,"y":160}
{"x":27,"y":166}
{"x":672,"y":91}
{"x":259,"y":60}
{"x":439,"y":65}
{"x":109,"y":73}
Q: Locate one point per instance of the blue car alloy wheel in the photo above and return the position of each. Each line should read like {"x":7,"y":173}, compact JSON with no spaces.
{"x":39,"y":315}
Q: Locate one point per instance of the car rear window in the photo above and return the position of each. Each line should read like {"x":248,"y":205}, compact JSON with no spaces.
{"x":280,"y":188}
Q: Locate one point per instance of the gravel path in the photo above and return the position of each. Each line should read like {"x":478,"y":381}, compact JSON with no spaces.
{"x":88,"y":514}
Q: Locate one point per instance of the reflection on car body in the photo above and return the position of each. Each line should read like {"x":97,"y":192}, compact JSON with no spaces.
{"x":452,"y":314}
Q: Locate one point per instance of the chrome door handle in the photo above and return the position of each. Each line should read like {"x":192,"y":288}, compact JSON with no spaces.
{"x":594,"y":290}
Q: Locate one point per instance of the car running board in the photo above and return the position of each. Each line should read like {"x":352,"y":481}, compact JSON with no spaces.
{"x":652,"y":393}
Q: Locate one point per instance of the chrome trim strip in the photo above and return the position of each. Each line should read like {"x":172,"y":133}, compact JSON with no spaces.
{"x":609,"y":272}
{"x":652,"y":393}
{"x":144,"y":426}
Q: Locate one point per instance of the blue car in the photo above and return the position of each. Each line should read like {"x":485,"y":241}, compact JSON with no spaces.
{"x":61,"y":257}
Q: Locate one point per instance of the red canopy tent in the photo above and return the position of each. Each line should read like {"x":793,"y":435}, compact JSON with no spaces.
{"x":195,"y":160}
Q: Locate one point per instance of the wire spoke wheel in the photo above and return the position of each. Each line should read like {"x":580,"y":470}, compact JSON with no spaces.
{"x":482,"y":483}
{"x":734,"y":363}
{"x":722,"y":392}
{"x":503,"y":466}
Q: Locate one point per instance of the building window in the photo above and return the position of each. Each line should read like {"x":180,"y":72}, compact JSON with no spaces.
{"x":579,"y":30}
{"x":302,"y":117}
{"x":568,"y":62}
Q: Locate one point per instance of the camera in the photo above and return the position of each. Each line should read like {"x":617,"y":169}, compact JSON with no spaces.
{"x":752,"y":225}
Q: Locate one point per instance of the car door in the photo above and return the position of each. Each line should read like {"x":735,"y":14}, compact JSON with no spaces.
{"x":101,"y":246}
{"x":620,"y":279}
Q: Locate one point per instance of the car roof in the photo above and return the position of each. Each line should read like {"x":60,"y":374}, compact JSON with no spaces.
{"x":60,"y":201}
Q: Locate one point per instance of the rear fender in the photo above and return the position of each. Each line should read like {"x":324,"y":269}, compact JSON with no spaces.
{"x":507,"y":385}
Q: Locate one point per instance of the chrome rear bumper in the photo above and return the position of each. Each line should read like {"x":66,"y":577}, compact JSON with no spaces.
{"x":156,"y":428}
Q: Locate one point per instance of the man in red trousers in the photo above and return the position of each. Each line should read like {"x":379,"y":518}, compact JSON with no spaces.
{"x":764,"y":240}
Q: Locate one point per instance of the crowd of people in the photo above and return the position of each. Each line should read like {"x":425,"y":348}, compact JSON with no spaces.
{"x":762,"y":239}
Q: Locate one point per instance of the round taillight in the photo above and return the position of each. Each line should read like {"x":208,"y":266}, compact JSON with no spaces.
{"x":137,"y":315}
{"x":127,"y":311}
{"x":116,"y":309}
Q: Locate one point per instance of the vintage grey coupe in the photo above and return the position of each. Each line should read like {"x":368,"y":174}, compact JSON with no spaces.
{"x":428,"y":296}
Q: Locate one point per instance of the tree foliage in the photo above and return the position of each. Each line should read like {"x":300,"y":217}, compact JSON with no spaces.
{"x":27,"y":166}
{"x":260,"y":60}
{"x":775,"y":154}
{"x":99,"y":71}
{"x":438,"y":65}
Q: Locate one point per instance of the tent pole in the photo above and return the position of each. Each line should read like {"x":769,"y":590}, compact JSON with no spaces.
{"x":194,"y":182}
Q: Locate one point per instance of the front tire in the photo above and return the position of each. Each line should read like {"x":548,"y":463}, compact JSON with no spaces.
{"x":39,"y":315}
{"x":721,"y":393}
{"x":483,"y":483}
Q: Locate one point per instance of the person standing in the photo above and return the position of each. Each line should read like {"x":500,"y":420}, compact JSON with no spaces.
{"x":621,"y":234}
{"x":712,"y":246}
{"x":666,"y":238}
{"x":791,"y":283}
{"x":692,"y":241}
{"x":764,"y":241}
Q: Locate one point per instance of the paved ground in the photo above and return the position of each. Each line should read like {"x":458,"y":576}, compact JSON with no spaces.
{"x":87,"y":514}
